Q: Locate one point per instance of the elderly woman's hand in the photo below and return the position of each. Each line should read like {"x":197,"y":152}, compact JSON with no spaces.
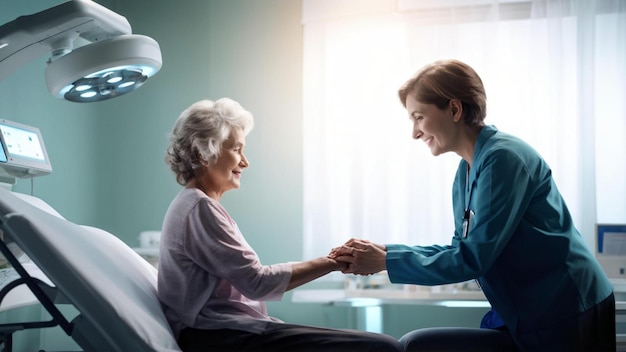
{"x":361,"y":256}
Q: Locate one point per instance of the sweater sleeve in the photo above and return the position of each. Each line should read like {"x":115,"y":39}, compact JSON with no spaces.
{"x":213,"y":241}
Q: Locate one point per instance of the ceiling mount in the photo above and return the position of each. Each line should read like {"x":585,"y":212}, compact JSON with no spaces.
{"x":93,"y":54}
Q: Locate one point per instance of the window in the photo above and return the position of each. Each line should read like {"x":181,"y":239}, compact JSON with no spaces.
{"x":554,"y":74}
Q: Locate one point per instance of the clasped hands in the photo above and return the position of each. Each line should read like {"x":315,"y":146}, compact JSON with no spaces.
{"x":361,"y":257}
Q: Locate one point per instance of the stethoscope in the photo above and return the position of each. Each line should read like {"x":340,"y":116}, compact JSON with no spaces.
{"x":468,"y":214}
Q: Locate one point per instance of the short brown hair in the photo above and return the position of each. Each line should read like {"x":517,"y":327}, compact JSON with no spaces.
{"x":444,"y":80}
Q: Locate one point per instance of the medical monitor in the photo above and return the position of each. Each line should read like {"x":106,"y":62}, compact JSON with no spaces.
{"x":23,"y":153}
{"x":611,"y":249}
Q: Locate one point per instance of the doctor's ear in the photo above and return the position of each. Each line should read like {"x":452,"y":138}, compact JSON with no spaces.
{"x":456,"y":107}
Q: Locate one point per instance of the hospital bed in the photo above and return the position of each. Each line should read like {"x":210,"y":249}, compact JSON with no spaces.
{"x":110,"y":286}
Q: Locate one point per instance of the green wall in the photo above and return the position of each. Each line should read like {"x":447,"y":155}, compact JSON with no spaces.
{"x":250,"y":51}
{"x":108,"y":156}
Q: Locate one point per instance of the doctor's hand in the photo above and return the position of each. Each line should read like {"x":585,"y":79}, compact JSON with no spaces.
{"x":361,"y":256}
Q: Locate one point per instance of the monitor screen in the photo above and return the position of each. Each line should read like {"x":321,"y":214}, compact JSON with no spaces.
{"x":3,"y":155}
{"x":23,"y":150}
{"x":611,"y":249}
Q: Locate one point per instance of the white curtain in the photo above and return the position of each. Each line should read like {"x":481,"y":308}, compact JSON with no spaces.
{"x":554,"y":73}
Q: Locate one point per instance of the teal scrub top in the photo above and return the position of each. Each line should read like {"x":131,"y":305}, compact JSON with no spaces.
{"x":520,"y":244}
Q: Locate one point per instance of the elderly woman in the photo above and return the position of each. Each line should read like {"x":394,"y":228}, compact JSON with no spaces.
{"x":211,"y":282}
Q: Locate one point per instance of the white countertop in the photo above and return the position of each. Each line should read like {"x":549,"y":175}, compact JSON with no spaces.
{"x":377,"y":297}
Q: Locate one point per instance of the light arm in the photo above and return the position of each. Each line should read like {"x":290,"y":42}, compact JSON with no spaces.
{"x":54,"y":31}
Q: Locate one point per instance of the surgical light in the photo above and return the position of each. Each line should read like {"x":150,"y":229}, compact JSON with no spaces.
{"x":93,"y":54}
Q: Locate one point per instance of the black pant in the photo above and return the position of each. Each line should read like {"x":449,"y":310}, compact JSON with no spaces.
{"x":458,"y":339}
{"x":592,"y":330}
{"x":279,"y":337}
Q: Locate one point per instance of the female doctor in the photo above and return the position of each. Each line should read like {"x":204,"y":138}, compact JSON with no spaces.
{"x":513,"y":233}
